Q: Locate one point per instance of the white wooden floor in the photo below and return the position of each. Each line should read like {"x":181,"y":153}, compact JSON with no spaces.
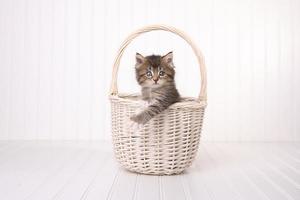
{"x":87,"y":170}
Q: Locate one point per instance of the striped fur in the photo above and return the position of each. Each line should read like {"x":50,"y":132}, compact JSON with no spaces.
{"x":156,"y":75}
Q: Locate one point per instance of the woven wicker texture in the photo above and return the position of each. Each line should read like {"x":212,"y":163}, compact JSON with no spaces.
{"x":168,"y":143}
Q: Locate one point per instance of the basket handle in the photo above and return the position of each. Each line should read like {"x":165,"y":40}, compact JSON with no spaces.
{"x":198,"y":53}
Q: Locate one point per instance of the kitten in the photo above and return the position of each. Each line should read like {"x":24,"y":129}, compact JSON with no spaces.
{"x":155,"y":74}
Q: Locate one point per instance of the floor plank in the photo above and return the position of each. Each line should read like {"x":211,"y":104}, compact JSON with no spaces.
{"x":171,"y":184}
{"x":148,"y":187}
{"x":253,"y":168}
{"x":77,"y":185}
{"x":86,"y":170}
{"x":50,"y":187}
{"x":101,"y":186}
{"x":217,"y":185}
{"x":35,"y":166}
{"x":230,"y":169}
{"x":124,"y":186}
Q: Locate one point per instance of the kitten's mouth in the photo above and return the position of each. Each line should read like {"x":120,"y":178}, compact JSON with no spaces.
{"x":155,"y":85}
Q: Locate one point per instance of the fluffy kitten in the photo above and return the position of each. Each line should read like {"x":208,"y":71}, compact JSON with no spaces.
{"x":155,"y":74}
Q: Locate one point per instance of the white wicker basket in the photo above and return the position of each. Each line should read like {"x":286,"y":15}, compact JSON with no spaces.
{"x":168,"y":143}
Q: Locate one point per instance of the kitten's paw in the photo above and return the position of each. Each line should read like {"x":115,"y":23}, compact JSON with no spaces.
{"x":143,"y":104}
{"x":133,"y":124}
{"x":146,"y":103}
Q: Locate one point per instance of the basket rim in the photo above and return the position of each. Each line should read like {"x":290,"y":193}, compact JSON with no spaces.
{"x":133,"y":99}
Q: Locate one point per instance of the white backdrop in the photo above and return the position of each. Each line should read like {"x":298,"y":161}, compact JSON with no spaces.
{"x":56,"y":58}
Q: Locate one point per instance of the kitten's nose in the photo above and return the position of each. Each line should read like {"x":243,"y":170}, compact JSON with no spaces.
{"x":155,"y":80}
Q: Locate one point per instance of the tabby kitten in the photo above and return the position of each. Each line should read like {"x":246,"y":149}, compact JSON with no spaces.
{"x":155,"y":74}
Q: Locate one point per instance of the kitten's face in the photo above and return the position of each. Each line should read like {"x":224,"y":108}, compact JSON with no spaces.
{"x":154,"y":71}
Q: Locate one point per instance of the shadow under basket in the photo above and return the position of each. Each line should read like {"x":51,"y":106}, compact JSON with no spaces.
{"x":168,"y":143}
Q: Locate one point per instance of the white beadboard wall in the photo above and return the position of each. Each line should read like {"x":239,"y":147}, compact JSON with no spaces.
{"x":56,"y":59}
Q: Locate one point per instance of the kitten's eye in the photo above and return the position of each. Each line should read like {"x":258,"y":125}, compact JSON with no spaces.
{"x":149,"y":74}
{"x":161,"y":73}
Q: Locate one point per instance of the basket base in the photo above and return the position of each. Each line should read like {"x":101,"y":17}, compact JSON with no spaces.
{"x":170,"y":173}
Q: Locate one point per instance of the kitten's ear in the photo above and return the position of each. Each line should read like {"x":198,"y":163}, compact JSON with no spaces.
{"x":168,"y":58}
{"x":139,"y":59}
